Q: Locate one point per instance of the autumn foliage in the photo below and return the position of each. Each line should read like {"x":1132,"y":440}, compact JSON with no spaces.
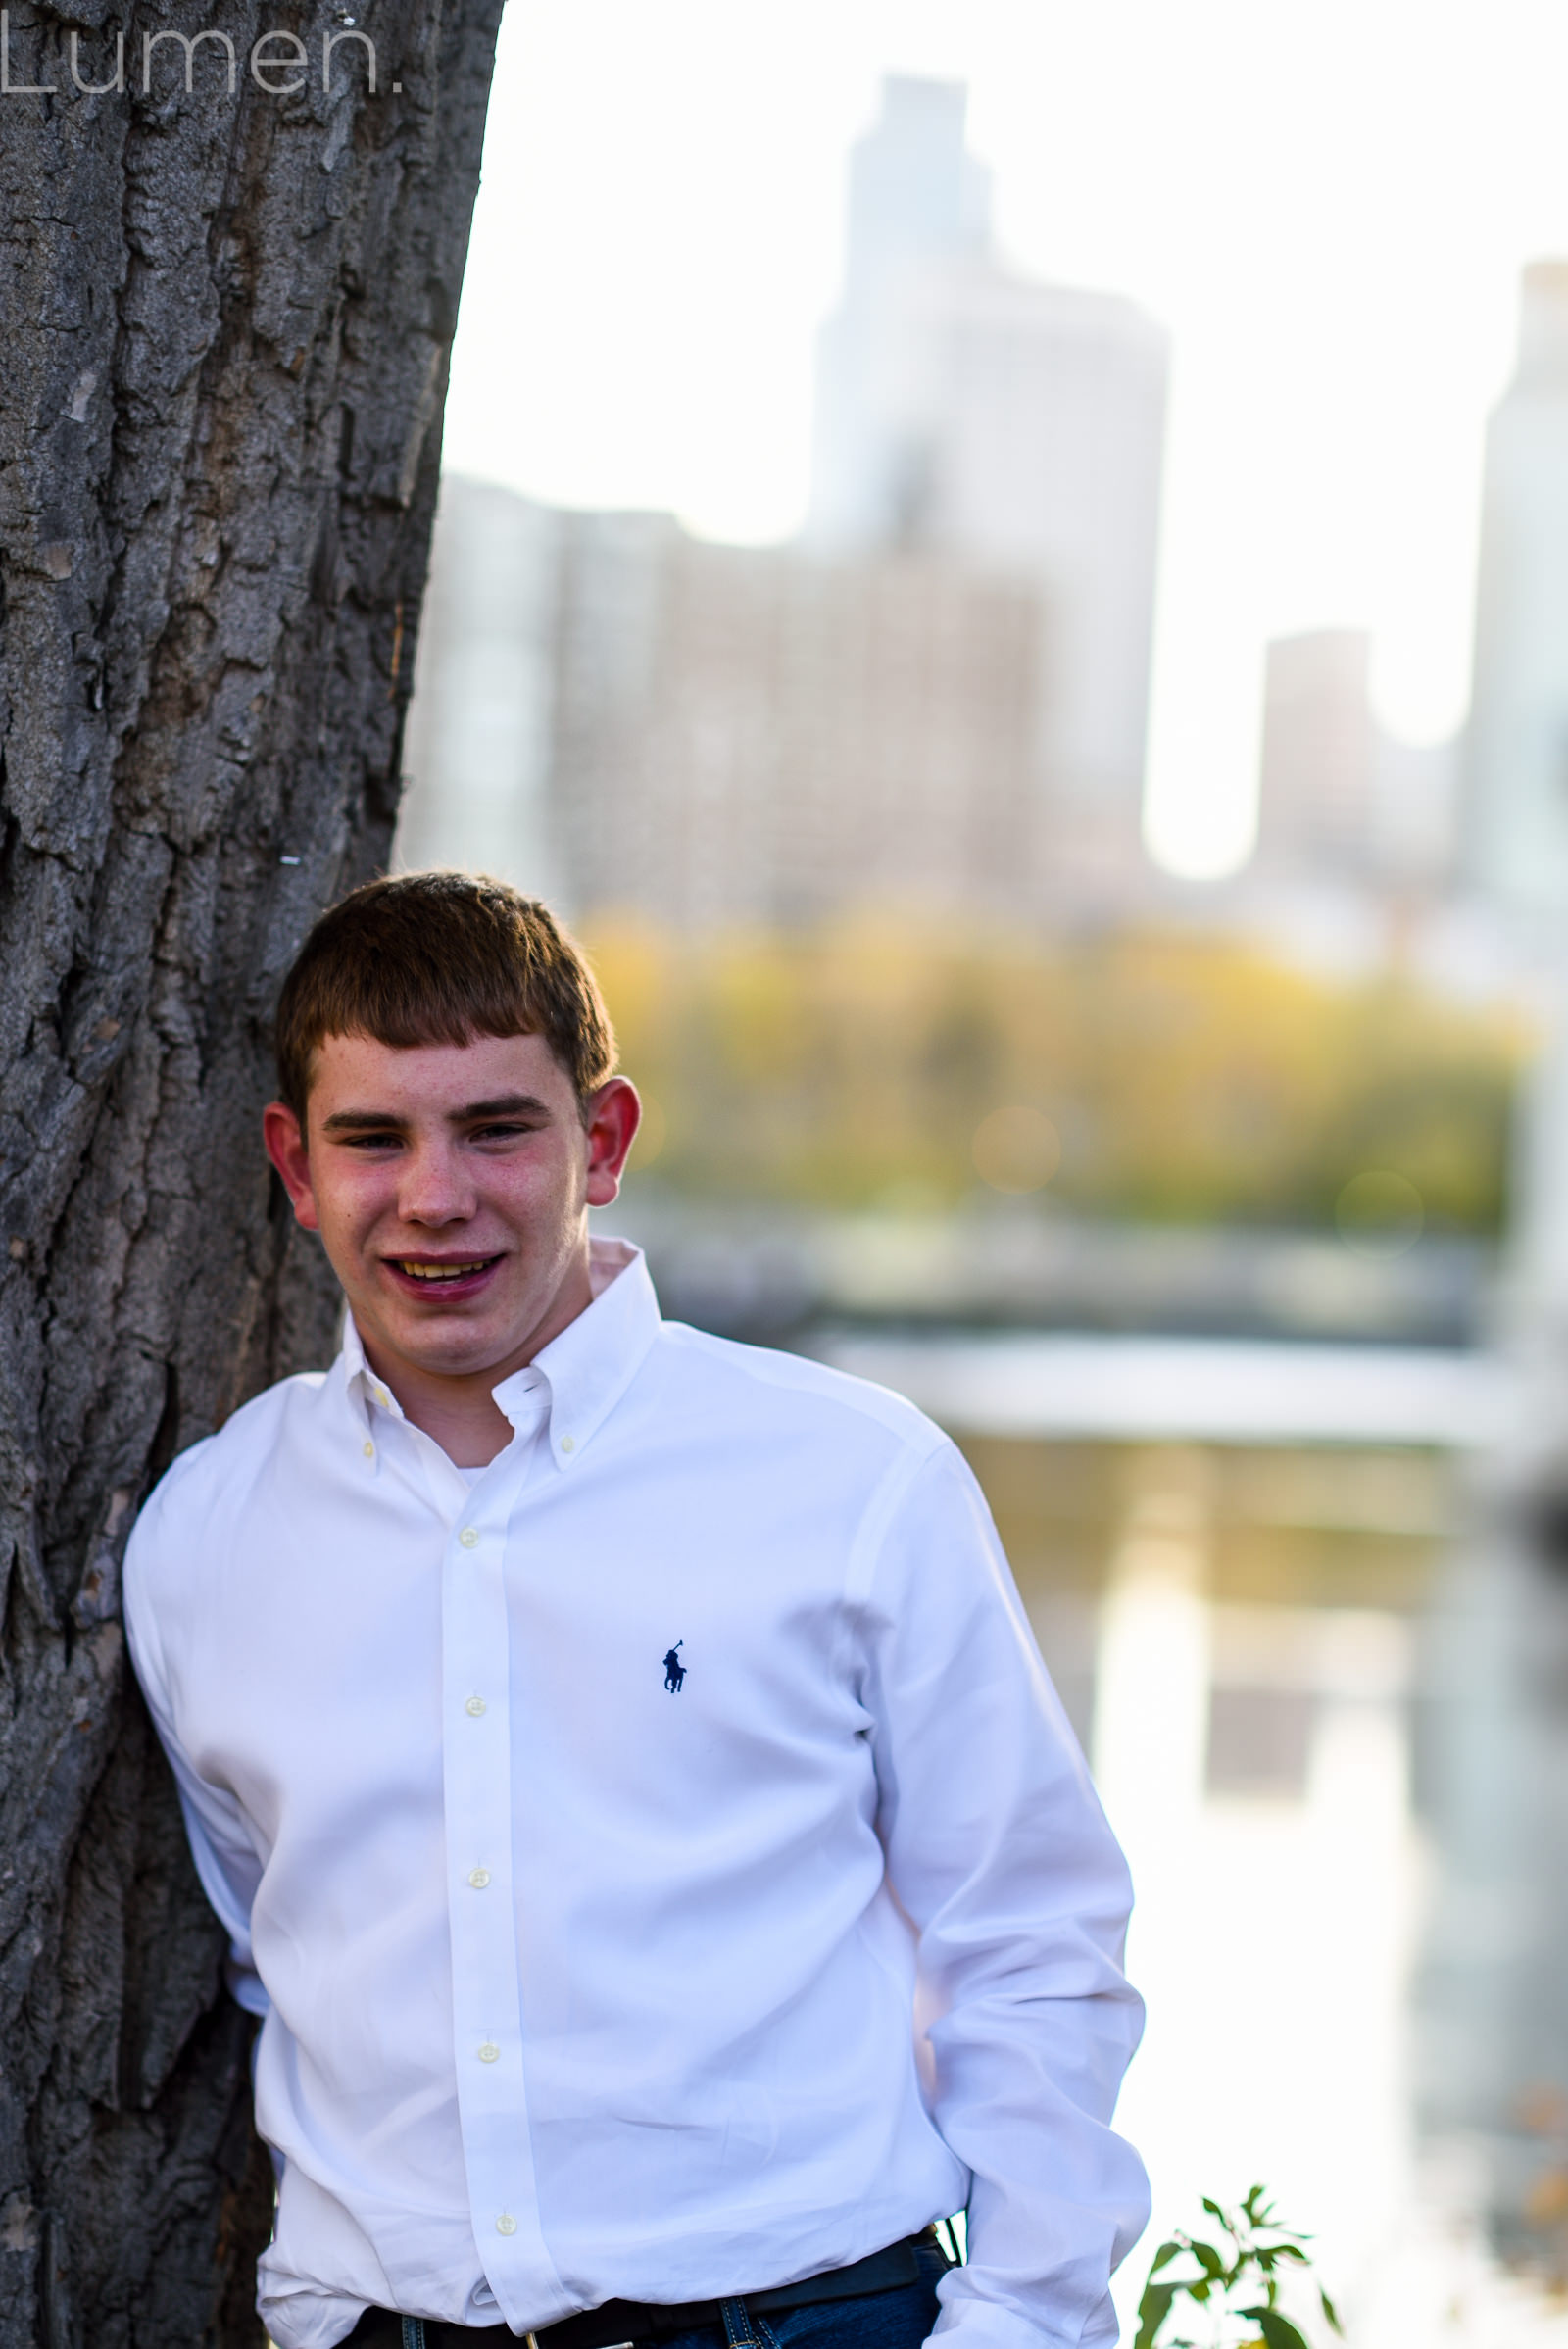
{"x":1166,"y":1077}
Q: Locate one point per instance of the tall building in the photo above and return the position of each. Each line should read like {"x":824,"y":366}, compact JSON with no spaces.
{"x":476,"y":752}
{"x":756,"y":735}
{"x":938,"y":698}
{"x":1038,"y":418}
{"x":1516,"y":778}
{"x":916,"y":196}
{"x":621,"y":716}
{"x":1340,"y":801}
{"x":1319,"y":753}
{"x":1516,"y":781}
{"x":968,"y":410}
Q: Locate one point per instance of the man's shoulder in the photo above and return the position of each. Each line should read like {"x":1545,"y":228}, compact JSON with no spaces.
{"x":220,"y":1470}
{"x":765,"y":1379}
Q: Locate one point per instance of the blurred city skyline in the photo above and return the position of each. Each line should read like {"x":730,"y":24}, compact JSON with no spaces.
{"x":1329,"y":214}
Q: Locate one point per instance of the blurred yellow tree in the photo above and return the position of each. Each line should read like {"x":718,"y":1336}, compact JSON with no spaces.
{"x":1165,"y":1076}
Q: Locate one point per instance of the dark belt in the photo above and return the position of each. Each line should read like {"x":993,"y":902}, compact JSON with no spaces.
{"x":636,"y":2320}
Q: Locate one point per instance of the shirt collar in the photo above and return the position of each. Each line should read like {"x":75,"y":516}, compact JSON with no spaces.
{"x":596,"y":1357}
{"x":358,"y":1376}
{"x":588,"y":1367}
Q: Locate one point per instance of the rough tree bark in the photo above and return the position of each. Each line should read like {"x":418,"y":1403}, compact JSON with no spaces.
{"x":226,"y":317}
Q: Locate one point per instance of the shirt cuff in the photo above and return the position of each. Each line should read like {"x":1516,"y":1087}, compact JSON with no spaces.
{"x":987,"y":2325}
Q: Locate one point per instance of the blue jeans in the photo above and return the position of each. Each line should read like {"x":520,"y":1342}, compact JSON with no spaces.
{"x":897,"y":2319}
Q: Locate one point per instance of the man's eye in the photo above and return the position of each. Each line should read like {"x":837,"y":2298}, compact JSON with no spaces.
{"x":502,"y":1133}
{"x":371,"y":1142}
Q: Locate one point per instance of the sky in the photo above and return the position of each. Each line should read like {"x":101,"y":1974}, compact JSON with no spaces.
{"x":1327,"y":206}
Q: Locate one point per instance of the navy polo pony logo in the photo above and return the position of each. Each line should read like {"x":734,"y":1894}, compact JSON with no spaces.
{"x":674,"y":1669}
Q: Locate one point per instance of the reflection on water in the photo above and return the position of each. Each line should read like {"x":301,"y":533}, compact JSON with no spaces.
{"x":1288,"y":1666}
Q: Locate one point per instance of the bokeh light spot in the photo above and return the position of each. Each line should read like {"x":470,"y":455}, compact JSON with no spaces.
{"x":1017,"y":1150}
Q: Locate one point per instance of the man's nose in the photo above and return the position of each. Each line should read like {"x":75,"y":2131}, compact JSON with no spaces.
{"x":435,"y":1188}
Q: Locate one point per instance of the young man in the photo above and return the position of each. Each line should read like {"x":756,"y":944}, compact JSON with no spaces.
{"x":640,"y":1813}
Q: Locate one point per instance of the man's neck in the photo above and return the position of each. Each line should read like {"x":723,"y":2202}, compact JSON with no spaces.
{"x":461,"y":1414}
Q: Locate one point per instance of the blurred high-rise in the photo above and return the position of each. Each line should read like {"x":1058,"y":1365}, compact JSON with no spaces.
{"x":1516,"y":780}
{"x":749,"y":734}
{"x":1319,"y":752}
{"x":1517,"y":754}
{"x":967,"y":410}
{"x":1341,"y":801}
{"x":916,"y":196}
{"x":1496,"y":1996}
{"x":936,"y":699}
{"x":478,"y":744}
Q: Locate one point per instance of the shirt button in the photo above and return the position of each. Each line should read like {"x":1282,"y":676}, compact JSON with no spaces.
{"x":506,"y":2224}
{"x":489,"y":2053}
{"x":478,"y":1878}
{"x":370,"y":1448}
{"x":468,"y":1537}
{"x":381,"y":1396}
{"x":569,"y":1442}
{"x":475,"y":1706}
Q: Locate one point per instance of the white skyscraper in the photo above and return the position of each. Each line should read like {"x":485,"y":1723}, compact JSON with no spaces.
{"x":967,"y":410}
{"x":1517,"y":752}
{"x":1319,"y":755}
{"x":625,"y":718}
{"x":916,"y":196}
{"x":477,"y":748}
{"x":1340,"y":801}
{"x":759,"y":735}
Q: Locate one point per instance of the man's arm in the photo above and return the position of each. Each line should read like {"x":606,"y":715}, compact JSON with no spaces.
{"x":226,"y":1857}
{"x":1001,"y":1855}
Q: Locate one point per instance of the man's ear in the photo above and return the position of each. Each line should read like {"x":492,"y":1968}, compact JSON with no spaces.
{"x":614,"y":1115}
{"x":286,"y":1147}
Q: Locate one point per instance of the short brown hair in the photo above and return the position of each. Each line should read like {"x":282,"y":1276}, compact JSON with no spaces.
{"x":440,"y":957}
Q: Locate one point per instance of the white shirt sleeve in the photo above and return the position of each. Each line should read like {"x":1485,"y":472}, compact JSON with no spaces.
{"x":998,"y":1853}
{"x":226,"y":1859}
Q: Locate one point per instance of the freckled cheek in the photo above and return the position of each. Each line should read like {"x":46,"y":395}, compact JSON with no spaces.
{"x":539,"y":1193}
{"x":359,"y":1212}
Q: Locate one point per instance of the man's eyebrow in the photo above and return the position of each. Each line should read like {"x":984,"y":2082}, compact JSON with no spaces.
{"x":506,"y":1104}
{"x":360,"y":1119}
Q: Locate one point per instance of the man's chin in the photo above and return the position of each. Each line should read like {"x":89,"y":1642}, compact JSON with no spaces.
{"x":464,"y":1351}
{"x":434,"y":1341}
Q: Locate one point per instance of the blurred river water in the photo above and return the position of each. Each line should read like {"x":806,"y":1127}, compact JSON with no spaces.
{"x":1283,"y":1617}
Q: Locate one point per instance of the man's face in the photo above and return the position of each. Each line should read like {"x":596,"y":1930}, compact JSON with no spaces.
{"x":450,"y":1184}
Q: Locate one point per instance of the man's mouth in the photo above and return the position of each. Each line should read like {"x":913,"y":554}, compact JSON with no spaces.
{"x":438,"y":1274}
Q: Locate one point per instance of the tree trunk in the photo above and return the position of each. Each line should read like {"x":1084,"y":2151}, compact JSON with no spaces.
{"x":226,"y":320}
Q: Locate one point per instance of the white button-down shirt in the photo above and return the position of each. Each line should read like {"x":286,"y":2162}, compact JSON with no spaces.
{"x":659,"y":1858}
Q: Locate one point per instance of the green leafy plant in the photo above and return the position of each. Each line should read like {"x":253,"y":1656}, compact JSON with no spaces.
{"x":1230,"y":2283}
